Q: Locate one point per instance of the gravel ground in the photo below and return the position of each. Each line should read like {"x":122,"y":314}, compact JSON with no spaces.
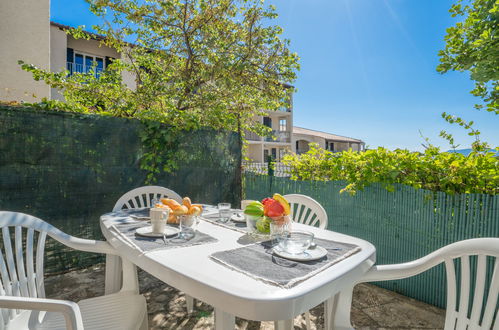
{"x":372,"y":307}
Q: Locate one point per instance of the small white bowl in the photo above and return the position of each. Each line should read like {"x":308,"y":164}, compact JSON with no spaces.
{"x":296,"y":242}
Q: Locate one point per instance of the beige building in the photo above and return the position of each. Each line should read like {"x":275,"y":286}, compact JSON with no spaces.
{"x":26,"y":33}
{"x":302,"y":137}
{"x":80,"y":55}
{"x":279,"y":143}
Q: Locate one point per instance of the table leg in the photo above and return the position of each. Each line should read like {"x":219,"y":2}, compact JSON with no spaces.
{"x":283,"y":325}
{"x":337,"y":310}
{"x":112,"y":282}
{"x":189,"y":301}
{"x":224,"y":321}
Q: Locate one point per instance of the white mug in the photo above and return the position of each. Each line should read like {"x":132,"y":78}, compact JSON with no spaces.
{"x":158,"y":219}
{"x":245,"y":203}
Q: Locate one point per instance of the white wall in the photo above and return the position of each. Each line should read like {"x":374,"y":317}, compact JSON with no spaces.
{"x":24,"y":35}
{"x":129,"y":78}
{"x":91,"y":47}
{"x":58,"y":46}
{"x":277,"y":115}
{"x":255,"y":152}
{"x":309,"y":138}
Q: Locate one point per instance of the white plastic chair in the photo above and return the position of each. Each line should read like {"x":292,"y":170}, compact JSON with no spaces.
{"x":307,"y":210}
{"x":22,"y":293}
{"x":456,"y":311}
{"x":142,"y":197}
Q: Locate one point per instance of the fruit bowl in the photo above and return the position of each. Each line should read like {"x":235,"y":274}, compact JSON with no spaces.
{"x":270,"y":213}
{"x":184,"y":209}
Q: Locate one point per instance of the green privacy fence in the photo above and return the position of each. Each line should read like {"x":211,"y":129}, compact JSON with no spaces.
{"x":68,"y":169}
{"x":403,"y":225}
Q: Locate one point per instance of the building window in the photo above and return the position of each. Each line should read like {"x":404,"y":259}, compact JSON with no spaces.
{"x":297,"y":146}
{"x":287,"y":101}
{"x":267,"y":121}
{"x":331,"y":146}
{"x":84,"y":63}
{"x":283,"y":125}
{"x":265,"y":155}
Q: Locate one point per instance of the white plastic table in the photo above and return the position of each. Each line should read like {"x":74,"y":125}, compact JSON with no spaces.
{"x":231,"y":293}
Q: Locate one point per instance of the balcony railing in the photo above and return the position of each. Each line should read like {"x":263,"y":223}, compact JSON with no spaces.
{"x":275,"y":136}
{"x":80,"y":68}
{"x":279,"y":136}
{"x":251,"y":136}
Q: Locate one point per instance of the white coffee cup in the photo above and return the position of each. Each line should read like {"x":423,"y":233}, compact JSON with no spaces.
{"x":159,"y":217}
{"x":245,"y":203}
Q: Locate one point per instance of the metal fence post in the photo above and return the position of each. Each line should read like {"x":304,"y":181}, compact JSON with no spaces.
{"x":270,"y":170}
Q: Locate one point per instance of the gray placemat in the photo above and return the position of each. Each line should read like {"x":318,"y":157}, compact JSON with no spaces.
{"x":258,"y":261}
{"x":124,"y":224}
{"x":215,"y":217}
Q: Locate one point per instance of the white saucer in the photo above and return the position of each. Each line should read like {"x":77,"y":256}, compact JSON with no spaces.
{"x":308,"y":255}
{"x":209,"y":210}
{"x":235,"y":218}
{"x":138,"y":217}
{"x":147,"y":231}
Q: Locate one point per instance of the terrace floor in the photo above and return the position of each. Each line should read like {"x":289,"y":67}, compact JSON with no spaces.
{"x":373,"y":307}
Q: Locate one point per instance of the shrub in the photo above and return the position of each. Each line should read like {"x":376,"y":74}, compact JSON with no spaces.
{"x":431,"y":169}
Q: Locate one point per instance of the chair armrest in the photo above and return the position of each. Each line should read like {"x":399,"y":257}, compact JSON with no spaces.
{"x":87,"y":245}
{"x":69,"y":309}
{"x":487,"y":246}
{"x":390,"y":272}
{"x":404,"y":270}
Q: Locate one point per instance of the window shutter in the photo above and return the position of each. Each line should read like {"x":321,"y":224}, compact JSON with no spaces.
{"x":109,"y":60}
{"x":69,"y":60}
{"x":69,"y":55}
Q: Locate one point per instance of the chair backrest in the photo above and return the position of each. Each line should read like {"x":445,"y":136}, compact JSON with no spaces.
{"x":479,"y":257}
{"x":21,"y":263}
{"x":465,"y":261}
{"x":142,"y":197}
{"x":307,"y":210}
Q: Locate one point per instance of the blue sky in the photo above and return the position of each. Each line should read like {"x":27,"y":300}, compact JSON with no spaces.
{"x":367,"y":69}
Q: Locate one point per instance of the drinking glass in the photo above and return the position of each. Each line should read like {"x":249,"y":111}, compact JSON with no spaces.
{"x":279,"y":227}
{"x":222,"y":206}
{"x":187,"y":226}
{"x":224,"y":212}
{"x":251,"y":223}
{"x":225,"y":215}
